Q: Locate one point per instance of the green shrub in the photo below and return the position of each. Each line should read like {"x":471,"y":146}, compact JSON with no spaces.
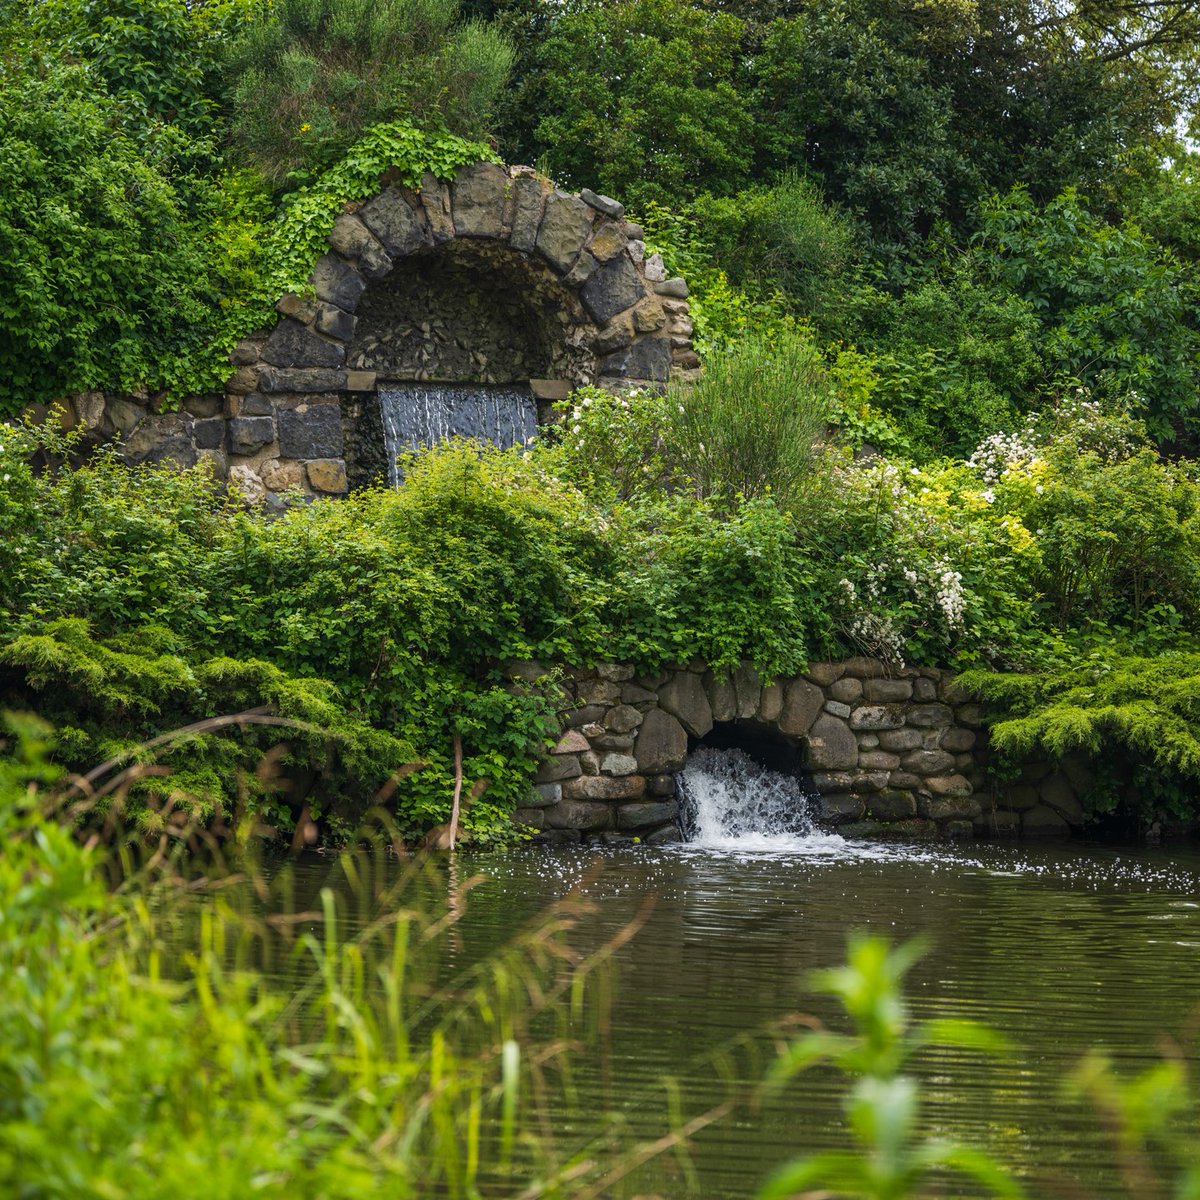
{"x":310,"y":77}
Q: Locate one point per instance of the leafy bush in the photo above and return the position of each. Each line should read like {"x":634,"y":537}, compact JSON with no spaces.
{"x":309,"y":77}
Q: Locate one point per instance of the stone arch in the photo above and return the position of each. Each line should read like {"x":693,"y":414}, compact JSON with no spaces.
{"x":584,"y":301}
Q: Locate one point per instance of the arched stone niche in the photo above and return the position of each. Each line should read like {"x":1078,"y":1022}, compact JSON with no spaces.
{"x":495,"y":278}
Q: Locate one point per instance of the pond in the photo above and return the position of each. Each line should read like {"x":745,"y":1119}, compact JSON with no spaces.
{"x":1063,"y":948}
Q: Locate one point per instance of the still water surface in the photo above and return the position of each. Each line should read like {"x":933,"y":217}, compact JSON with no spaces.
{"x":1062,"y":948}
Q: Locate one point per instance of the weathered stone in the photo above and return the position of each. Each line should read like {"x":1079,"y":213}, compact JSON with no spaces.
{"x":279,"y":476}
{"x":327,"y":475}
{"x":876,"y":717}
{"x":352,"y":239}
{"x":245,"y":353}
{"x":683,"y":696}
{"x":949,"y":785}
{"x":648,"y":359}
{"x":845,"y":690}
{"x":558,"y":837}
{"x":300,"y":379}
{"x":1057,"y":793}
{"x":1019,"y":798}
{"x":301,"y":308}
{"x":622,"y":719}
{"x":868,"y":741}
{"x":958,"y":830}
{"x":646,"y":815}
{"x":802,"y":702}
{"x":747,"y":689}
{"x":825,"y":673}
{"x":901,"y":739}
{"x":571,"y":742}
{"x":248,"y":434}
{"x":661,"y":785}
{"x":390,"y":217}
{"x":930,"y":716}
{"x":950,"y":808}
{"x":434,"y":196}
{"x":360,"y":381}
{"x":564,"y":229}
{"x":654,"y":269}
{"x":528,"y":196}
{"x":666,"y":836}
{"x":243,"y":380}
{"x":927,"y":762}
{"x":255,"y":405}
{"x":902,"y":779}
{"x":878,"y":760}
{"x":294,"y":345}
{"x":887,"y":691}
{"x":544,"y":795}
{"x":605,"y":787}
{"x":673,"y":287}
{"x":337,"y":282}
{"x":892,"y":805}
{"x":771,"y":705}
{"x":585,"y":266}
{"x":618,"y":764}
{"x":631,"y":693}
{"x":970,"y":715}
{"x":850,"y":781}
{"x":89,"y":409}
{"x":605,"y":204}
{"x":837,"y":709}
{"x":1042,"y":821}
{"x":215,"y":460}
{"x":836,"y":810}
{"x":310,"y":431}
{"x":332,"y":321}
{"x":209,"y":434}
{"x":577,"y":814}
{"x":589,"y":761}
{"x":617,"y":334}
{"x":530,"y":817}
{"x":598,"y":691}
{"x":562,"y":766}
{"x":607,"y":242}
{"x":204,"y":406}
{"x":831,"y":745}
{"x":477,"y":200}
{"x":722,"y":698}
{"x":661,"y":743}
{"x":924,"y":689}
{"x":245,"y":483}
{"x":613,"y":288}
{"x":161,"y":437}
{"x":622,"y":742}
{"x":958,"y":740}
{"x":584,"y":716}
{"x":865,"y":668}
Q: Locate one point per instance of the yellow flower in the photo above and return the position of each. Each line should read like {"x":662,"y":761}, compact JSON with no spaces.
{"x":305,"y":127}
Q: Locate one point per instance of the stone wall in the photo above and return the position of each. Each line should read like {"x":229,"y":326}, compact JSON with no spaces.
{"x":498,"y":277}
{"x":899,"y":754}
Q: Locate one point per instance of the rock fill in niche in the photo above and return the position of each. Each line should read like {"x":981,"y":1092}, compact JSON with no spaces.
{"x":422,"y":414}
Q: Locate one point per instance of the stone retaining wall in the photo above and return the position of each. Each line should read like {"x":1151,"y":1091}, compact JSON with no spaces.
{"x":498,"y":277}
{"x":900,"y":753}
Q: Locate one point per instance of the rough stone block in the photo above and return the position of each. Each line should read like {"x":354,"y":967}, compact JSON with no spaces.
{"x":584,"y":715}
{"x":661,"y":785}
{"x":528,"y":197}
{"x":837,"y":709}
{"x":930,"y":716}
{"x":845,"y":691}
{"x":1056,"y":791}
{"x":1042,"y":821}
{"x":162,"y":437}
{"x":605,"y":204}
{"x":622,"y":719}
{"x":327,"y":475}
{"x":336,"y":282}
{"x":311,"y":431}
{"x":583,"y":269}
{"x":877,"y":717}
{"x":294,"y":345}
{"x":598,"y":691}
{"x":958,"y":740}
{"x":618,"y":764}
{"x":888,"y":691}
{"x":649,"y":359}
{"x":949,"y":785}
{"x":892,"y":805}
{"x":802,"y":702}
{"x":617,"y":334}
{"x":878,"y":760}
{"x":668,"y":835}
{"x":248,"y":434}
{"x":831,"y":745}
{"x":661,"y":743}
{"x":927,"y":762}
{"x":299,"y":379}
{"x":391,"y":218}
{"x":607,"y":242}
{"x":352,"y":239}
{"x":865,"y":668}
{"x":434,"y":197}
{"x":335,"y":323}
{"x":360,"y":381}
{"x":825,"y":673}
{"x":613,"y":288}
{"x":837,"y":810}
{"x":605,"y":787}
{"x":209,"y":434}
{"x":564,"y":229}
{"x":950,"y":808}
{"x":255,"y":405}
{"x":647,"y":814}
{"x":901,"y":739}
{"x":562,"y":766}
{"x":677,"y":288}
{"x":243,"y":380}
{"x":621,"y":742}
{"x":683,"y":697}
{"x":245,"y":482}
{"x":578,"y":814}
{"x":924,"y":689}
{"x":771,"y":706}
{"x":571,"y":742}
{"x":478,"y":197}
{"x":721,"y":697}
{"x":280,"y":476}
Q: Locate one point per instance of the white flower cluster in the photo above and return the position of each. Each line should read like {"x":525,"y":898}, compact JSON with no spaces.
{"x":950,"y":596}
{"x":1002,"y":451}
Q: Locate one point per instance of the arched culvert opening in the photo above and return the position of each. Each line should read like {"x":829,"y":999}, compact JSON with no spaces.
{"x":744,"y":779}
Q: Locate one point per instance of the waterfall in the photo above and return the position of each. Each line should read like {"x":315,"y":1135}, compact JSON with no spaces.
{"x":420,"y":414}
{"x":730,"y":802}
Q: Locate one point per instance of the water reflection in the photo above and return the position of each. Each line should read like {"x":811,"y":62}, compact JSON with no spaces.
{"x":1061,"y":948}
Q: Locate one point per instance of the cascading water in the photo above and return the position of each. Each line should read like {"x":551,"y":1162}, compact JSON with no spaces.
{"x":730,"y":802}
{"x":420,"y":414}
